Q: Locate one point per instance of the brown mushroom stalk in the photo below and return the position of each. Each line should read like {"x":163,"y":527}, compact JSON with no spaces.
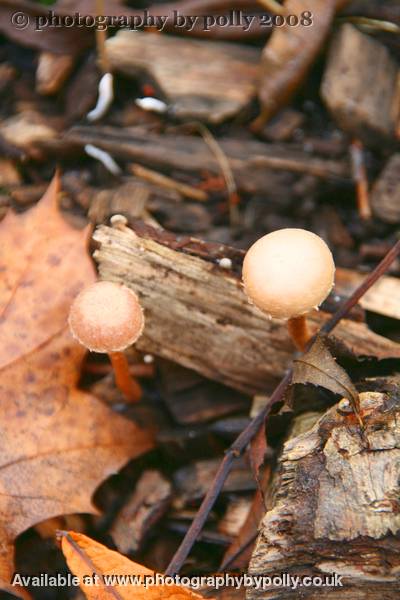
{"x":123,"y":378}
{"x":287,"y":274}
{"x":299,"y":331}
{"x":107,"y":317}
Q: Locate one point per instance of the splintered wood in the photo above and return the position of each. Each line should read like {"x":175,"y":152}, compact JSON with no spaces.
{"x":361,"y":86}
{"x":336,"y":507}
{"x":197,"y":314}
{"x":205,"y":80}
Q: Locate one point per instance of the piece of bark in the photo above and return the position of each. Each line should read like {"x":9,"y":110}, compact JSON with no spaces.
{"x":282,"y":127}
{"x":360,"y":86}
{"x":336,"y":507}
{"x":141,"y":512}
{"x":235,"y":516}
{"x":191,"y":399}
{"x":382,"y":298}
{"x":25,"y":130}
{"x":128,"y":199}
{"x":385,"y":196}
{"x":210,"y":81}
{"x":52,"y":71}
{"x":193,"y":481}
{"x":290,"y":52}
{"x":198,"y":315}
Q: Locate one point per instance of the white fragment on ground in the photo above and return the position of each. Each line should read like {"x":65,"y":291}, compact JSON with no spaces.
{"x":105,"y":98}
{"x":102,"y":156}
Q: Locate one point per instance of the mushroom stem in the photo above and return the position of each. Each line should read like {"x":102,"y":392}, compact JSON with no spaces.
{"x":123,"y":379}
{"x":299,"y":332}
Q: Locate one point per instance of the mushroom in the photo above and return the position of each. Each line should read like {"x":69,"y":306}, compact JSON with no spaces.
{"x":107,"y":317}
{"x":288,"y":273}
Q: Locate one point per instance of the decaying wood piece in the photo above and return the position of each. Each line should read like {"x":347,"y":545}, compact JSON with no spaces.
{"x":205,"y":80}
{"x":257,"y":167}
{"x":52,"y":71}
{"x":385,"y":197}
{"x":290,"y":52}
{"x":336,"y":507}
{"x":382,"y":298}
{"x":198,"y":316}
{"x":361,"y":86}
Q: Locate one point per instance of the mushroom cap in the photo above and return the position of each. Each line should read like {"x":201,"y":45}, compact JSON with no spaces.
{"x":106,"y":317}
{"x":288,"y":272}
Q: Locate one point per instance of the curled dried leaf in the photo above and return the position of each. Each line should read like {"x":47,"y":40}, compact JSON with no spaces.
{"x":98,"y":569}
{"x":319,"y":367}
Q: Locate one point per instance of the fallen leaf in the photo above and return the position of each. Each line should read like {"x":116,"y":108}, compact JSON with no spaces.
{"x":86,"y":556}
{"x":57,"y":443}
{"x":319,"y":367}
{"x":290,"y":52}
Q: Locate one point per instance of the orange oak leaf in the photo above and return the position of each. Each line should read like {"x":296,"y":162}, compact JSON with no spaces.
{"x":86,"y":557}
{"x":57,"y":443}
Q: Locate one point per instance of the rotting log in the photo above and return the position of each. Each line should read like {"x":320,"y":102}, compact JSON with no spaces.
{"x":336,"y":508}
{"x":197,"y":314}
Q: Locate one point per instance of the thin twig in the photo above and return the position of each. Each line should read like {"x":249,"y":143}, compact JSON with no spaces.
{"x":250,"y":431}
{"x":222,"y":159}
{"x":361,"y":180}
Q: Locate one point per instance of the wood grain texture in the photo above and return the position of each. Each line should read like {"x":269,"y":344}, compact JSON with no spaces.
{"x":362,"y":93}
{"x":205,"y":80}
{"x":336,"y":507}
{"x":257,"y":166}
{"x":197,"y":314}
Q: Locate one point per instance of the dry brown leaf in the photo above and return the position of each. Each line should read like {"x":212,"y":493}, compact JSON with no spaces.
{"x":319,"y":367}
{"x":57,"y":443}
{"x":290,"y":52}
{"x":85,"y":557}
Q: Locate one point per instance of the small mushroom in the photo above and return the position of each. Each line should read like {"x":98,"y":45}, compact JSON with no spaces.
{"x":107,"y":317}
{"x":288,"y":273}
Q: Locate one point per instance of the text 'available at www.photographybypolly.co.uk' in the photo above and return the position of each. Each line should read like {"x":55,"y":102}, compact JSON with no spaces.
{"x":258,"y":582}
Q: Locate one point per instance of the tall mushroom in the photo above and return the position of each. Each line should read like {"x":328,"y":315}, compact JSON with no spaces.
{"x":288,"y":273}
{"x":107,"y":317}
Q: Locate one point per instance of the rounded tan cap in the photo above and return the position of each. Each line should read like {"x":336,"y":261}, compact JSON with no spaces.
{"x":106,"y":317}
{"x":288,"y":272}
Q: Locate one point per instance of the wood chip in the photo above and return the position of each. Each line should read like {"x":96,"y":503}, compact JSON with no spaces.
{"x":382,"y":297}
{"x":361,"y":86}
{"x":210,"y":81}
{"x":141,"y":512}
{"x":385,"y":197}
{"x":25,"y":130}
{"x":52,"y":71}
